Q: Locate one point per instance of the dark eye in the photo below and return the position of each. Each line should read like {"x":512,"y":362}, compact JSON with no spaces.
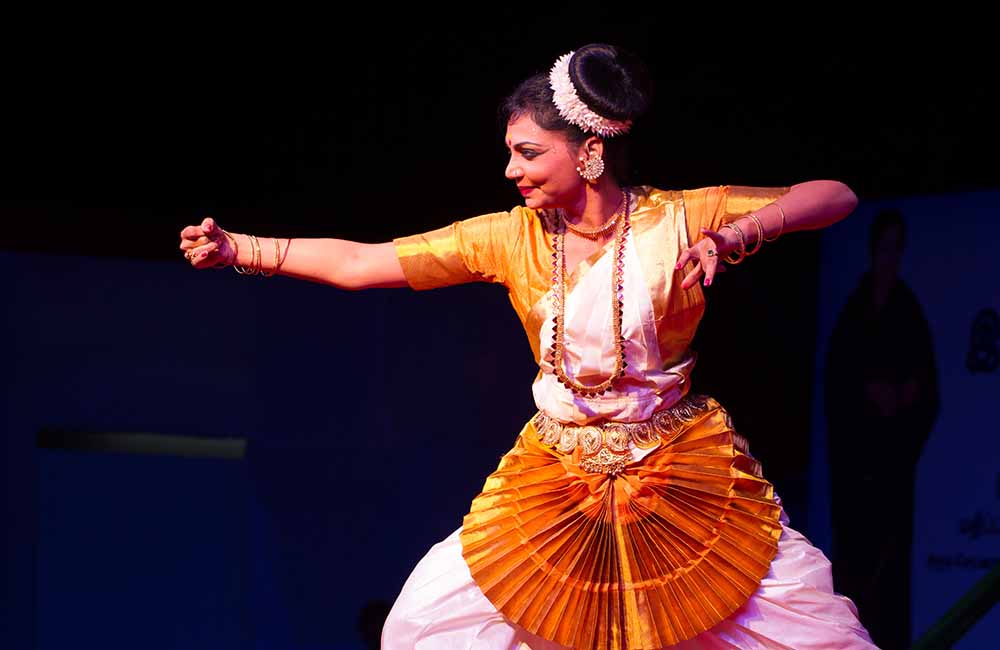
{"x":529,"y":154}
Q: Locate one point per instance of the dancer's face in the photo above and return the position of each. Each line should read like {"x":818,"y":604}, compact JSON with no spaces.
{"x":543,"y":165}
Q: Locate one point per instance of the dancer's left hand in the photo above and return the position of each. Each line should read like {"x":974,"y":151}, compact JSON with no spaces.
{"x":706,"y":254}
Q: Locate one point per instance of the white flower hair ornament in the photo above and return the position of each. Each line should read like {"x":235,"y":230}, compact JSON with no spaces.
{"x":573,"y":110}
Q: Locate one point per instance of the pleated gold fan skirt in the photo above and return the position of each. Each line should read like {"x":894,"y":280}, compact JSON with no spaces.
{"x":646,"y":557}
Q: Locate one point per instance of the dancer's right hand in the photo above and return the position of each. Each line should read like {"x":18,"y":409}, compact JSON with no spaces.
{"x":207,"y":246}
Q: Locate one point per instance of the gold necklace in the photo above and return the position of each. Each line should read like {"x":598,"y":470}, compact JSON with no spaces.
{"x":557,"y":355}
{"x":596,"y":233}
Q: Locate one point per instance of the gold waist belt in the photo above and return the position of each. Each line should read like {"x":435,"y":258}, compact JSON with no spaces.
{"x":604,"y":447}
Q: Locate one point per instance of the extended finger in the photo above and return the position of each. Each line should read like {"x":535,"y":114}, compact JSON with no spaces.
{"x":691,"y":278}
{"x":710,"y":266}
{"x":684,"y":258}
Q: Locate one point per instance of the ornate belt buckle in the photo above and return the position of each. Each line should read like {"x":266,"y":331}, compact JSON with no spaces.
{"x":601,"y":449}
{"x":605,"y":448}
{"x":605,"y":461}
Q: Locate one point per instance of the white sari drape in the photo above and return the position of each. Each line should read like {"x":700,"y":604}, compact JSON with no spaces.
{"x":589,"y":351}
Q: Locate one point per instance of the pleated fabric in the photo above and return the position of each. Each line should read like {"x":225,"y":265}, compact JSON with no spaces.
{"x":441,"y":608}
{"x":647,"y":558}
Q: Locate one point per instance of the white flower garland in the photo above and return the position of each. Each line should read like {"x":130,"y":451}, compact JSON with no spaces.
{"x":573,"y":110}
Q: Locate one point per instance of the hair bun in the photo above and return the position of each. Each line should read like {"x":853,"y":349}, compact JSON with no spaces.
{"x":611,"y":81}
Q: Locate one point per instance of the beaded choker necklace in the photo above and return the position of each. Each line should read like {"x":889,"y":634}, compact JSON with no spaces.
{"x":597,"y":233}
{"x":556,"y":357}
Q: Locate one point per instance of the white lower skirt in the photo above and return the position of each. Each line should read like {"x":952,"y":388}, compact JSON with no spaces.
{"x":795,"y":608}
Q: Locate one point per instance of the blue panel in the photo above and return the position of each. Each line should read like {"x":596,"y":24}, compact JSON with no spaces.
{"x":949,"y":263}
{"x":140,"y":551}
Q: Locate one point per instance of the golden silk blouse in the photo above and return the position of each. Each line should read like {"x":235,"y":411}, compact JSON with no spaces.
{"x":515,"y":249}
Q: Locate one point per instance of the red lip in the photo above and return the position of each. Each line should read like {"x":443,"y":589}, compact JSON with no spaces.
{"x":525,"y":190}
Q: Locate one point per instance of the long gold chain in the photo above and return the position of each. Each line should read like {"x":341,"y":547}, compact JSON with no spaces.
{"x":557,"y":356}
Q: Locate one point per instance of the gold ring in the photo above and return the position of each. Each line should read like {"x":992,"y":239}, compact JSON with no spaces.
{"x":189,"y":255}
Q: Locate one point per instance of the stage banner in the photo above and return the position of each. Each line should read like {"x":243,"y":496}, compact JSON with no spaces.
{"x":872,"y":367}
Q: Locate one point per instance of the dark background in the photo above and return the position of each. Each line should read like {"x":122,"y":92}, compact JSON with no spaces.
{"x":384,"y":123}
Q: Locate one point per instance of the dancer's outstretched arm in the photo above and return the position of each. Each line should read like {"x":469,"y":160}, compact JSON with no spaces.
{"x":338,"y":262}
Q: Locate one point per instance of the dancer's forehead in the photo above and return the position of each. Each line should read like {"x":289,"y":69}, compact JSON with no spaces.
{"x":524,"y":131}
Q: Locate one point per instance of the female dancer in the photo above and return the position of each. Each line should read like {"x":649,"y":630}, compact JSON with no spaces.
{"x":629,"y":513}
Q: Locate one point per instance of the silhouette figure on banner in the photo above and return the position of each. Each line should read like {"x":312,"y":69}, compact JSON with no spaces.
{"x":881,"y":403}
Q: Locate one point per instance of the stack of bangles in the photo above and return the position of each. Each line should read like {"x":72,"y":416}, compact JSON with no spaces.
{"x":256,"y":266}
{"x":741,"y":252}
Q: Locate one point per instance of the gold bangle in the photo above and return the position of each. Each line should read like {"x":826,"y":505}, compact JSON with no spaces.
{"x":247,"y":269}
{"x":242,"y":269}
{"x":258,"y":264}
{"x":760,"y":234}
{"x":277,"y":255}
{"x":742,"y":250}
{"x":262,"y":271}
{"x":236,"y":249}
{"x":284,"y":257}
{"x":780,"y":229}
{"x":252,"y":268}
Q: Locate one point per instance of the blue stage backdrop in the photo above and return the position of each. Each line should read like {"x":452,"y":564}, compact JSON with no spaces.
{"x":950,"y":264}
{"x":371,"y":418}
